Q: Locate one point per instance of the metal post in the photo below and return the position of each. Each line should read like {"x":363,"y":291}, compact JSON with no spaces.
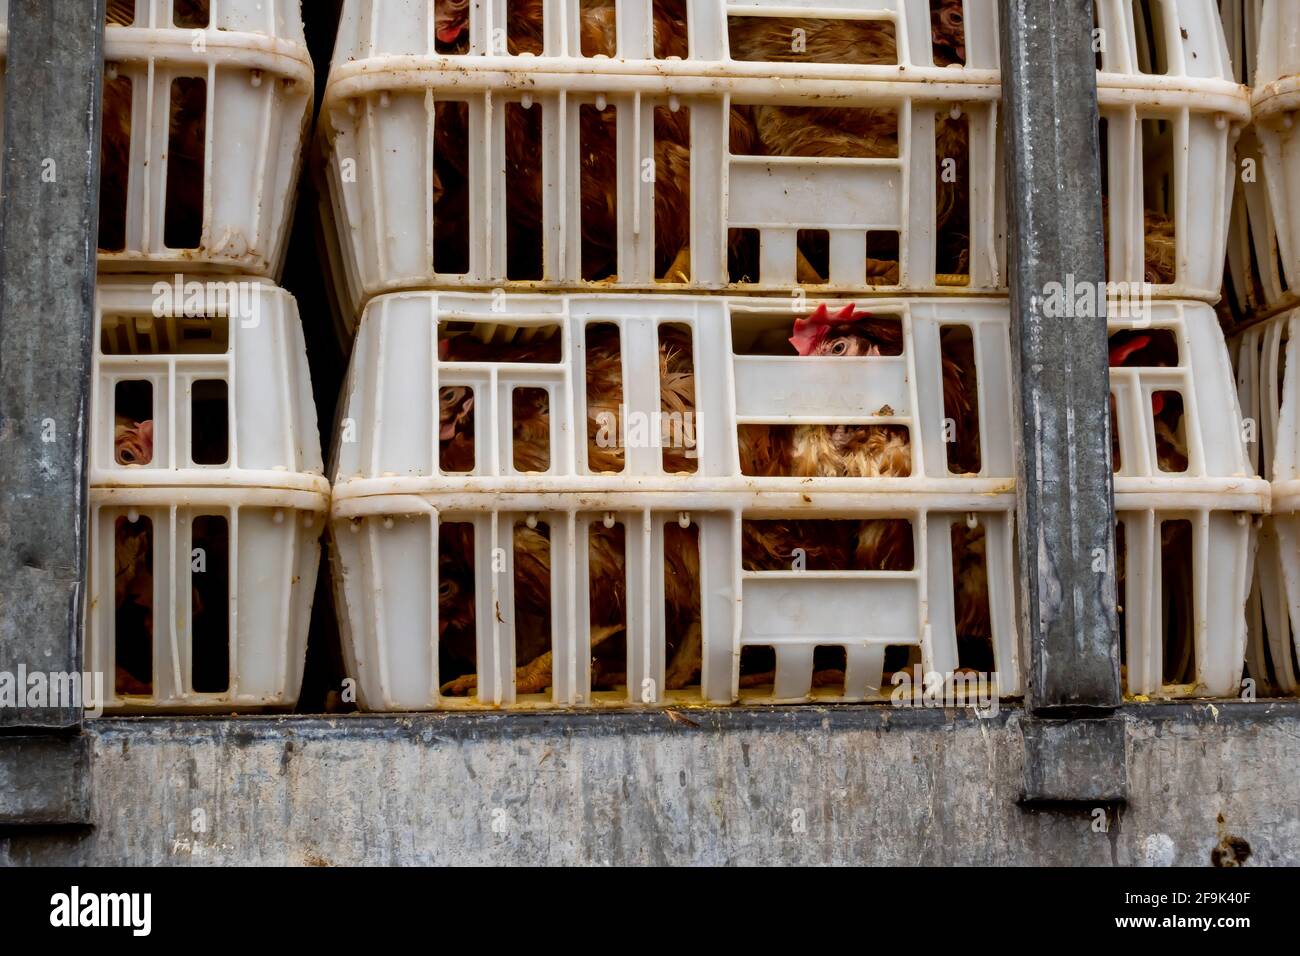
{"x":1065,"y":488}
{"x":48,"y":223}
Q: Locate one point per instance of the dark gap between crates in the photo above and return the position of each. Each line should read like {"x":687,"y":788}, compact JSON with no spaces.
{"x":304,"y":278}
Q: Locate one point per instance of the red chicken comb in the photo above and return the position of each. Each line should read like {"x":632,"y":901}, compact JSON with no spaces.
{"x":810,"y":331}
{"x":1119,"y":354}
{"x":451,"y":33}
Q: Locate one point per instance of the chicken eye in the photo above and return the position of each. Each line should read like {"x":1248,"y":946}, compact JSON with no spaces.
{"x":840,"y":347}
{"x":127,"y":457}
{"x":445,"y":589}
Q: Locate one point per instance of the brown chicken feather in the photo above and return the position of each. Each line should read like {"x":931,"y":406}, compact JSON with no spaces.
{"x":1141,"y":349}
{"x":532,"y":569}
{"x":971,"y":595}
{"x":605,"y":397}
{"x":861,"y":132}
{"x":133,"y":570}
{"x":875,"y":544}
{"x":184,"y":193}
{"x":599,"y":177}
{"x":1159,"y":248}
{"x":132,"y":441}
{"x":532,"y":549}
{"x":1160,"y":252}
{"x":122,"y":12}
{"x":133,"y":602}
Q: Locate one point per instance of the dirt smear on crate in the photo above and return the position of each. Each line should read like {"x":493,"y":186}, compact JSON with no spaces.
{"x":1231,"y":850}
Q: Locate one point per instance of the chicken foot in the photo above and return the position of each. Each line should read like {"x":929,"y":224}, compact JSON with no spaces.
{"x":680,"y":270}
{"x":685,"y":665}
{"x":806,"y":274}
{"x":531,"y":678}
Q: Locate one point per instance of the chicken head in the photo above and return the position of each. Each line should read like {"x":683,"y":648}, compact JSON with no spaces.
{"x":816,"y":334}
{"x":133,"y":441}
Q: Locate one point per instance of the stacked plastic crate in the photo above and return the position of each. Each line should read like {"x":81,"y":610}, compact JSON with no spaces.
{"x":1255,"y":280}
{"x":602,"y":441}
{"x":1266,"y":349}
{"x":207,"y":485}
{"x":1185,"y":490}
{"x":566,"y":475}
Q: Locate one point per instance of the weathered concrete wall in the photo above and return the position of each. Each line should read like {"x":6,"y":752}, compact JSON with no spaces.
{"x":790,"y":785}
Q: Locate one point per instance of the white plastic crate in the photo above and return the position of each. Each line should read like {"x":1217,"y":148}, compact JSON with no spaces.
{"x":1275,"y":100}
{"x":388,"y":580}
{"x":1265,"y":353}
{"x":1171,"y":110}
{"x":207,"y":494}
{"x":392,"y":494}
{"x":1254,"y":265}
{"x":397,"y":364}
{"x":382,"y":150}
{"x":387,"y":153}
{"x":1185,"y":497}
{"x":1241,"y":19}
{"x":239,"y":77}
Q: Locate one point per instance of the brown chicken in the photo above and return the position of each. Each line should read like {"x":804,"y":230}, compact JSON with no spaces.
{"x":1143,"y":350}
{"x":132,"y":441}
{"x":532,"y":625}
{"x":532,"y":547}
{"x":133,"y":575}
{"x":187,"y":13}
{"x":875,"y":544}
{"x":872,"y":132}
{"x":599,"y":152}
{"x":184,"y":192}
{"x":885,"y":451}
{"x":864,"y":451}
{"x":121,"y":12}
{"x":860,"y":132}
{"x":133,"y":603}
{"x":133,"y":607}
{"x":1140,"y":349}
{"x":1159,"y":249}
